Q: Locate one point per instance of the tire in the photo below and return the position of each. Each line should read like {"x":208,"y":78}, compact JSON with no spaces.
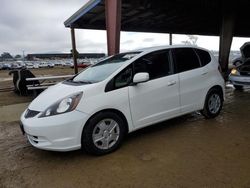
{"x":237,"y":87}
{"x":109,"y":130}
{"x":213,"y":103}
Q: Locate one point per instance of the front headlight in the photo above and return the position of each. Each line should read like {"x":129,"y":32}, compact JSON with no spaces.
{"x":64,"y":105}
{"x":235,"y":72}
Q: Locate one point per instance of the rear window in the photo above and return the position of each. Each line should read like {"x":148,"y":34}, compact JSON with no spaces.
{"x":204,"y":56}
{"x":185,"y":59}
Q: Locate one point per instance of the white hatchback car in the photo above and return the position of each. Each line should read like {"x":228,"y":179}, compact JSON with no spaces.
{"x":95,"y":109}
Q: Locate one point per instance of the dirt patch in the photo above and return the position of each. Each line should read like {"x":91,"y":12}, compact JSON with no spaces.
{"x":185,"y":152}
{"x":9,"y":98}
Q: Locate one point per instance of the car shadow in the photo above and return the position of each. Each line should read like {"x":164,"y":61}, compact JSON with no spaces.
{"x":130,"y":138}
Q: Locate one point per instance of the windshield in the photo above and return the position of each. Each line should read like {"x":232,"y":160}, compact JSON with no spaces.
{"x":104,"y":69}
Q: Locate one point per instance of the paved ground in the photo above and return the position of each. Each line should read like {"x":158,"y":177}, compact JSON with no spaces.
{"x":185,"y":152}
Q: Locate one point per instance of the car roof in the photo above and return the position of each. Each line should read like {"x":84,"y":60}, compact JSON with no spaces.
{"x":151,"y":49}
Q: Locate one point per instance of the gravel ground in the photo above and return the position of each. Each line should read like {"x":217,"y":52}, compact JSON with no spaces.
{"x":185,"y":152}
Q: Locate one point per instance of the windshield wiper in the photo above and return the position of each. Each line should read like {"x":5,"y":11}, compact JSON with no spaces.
{"x":82,"y":82}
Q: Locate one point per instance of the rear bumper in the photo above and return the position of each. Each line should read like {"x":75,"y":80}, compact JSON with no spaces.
{"x":239,"y":80}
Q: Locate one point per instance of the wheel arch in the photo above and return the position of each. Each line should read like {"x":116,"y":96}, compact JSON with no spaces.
{"x":219,"y":88}
{"x":118,"y":112}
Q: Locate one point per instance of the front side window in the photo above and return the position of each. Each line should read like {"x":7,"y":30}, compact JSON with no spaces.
{"x":185,"y":59}
{"x":124,"y":78}
{"x":104,"y":69}
{"x":157,"y":64}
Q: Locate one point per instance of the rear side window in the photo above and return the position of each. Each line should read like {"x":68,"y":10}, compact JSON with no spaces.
{"x":185,"y":59}
{"x":157,"y":64}
{"x":204,"y":56}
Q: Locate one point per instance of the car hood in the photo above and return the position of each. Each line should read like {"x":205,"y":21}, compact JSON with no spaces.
{"x":53,"y":94}
{"x":245,"y":50}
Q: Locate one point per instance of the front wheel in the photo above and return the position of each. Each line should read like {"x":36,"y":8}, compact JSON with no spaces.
{"x":103,"y":133}
{"x":213,"y":104}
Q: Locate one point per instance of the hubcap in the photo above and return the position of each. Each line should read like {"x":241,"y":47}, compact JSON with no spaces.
{"x":214,"y":103}
{"x":106,"y":134}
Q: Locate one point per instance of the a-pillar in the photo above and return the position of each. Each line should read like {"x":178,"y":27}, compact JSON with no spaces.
{"x":113,"y":25}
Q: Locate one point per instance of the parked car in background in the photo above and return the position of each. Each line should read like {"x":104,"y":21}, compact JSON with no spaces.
{"x":95,"y":109}
{"x":237,"y":62}
{"x":29,"y":65}
{"x":36,"y":65}
{"x":1,"y":66}
{"x":46,"y":65}
{"x":58,"y":63}
{"x":240,"y":74}
{"x":6,"y":66}
{"x":68,"y":64}
{"x":43,"y":65}
{"x":21,"y":64}
{"x":51,"y":65}
{"x":15,"y":66}
{"x":83,"y":65}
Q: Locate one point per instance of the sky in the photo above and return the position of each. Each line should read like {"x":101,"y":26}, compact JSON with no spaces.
{"x":36,"y":26}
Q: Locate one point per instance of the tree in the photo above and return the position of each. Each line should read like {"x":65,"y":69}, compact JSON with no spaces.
{"x":18,"y":56}
{"x":192,"y":40}
{"x":6,"y":55}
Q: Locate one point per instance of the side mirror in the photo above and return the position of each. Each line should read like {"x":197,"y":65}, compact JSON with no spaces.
{"x":141,"y":77}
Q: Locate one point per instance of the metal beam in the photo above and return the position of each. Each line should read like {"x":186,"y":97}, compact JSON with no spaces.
{"x":74,"y":52}
{"x":170,"y":39}
{"x":226,"y":37}
{"x":113,"y":25}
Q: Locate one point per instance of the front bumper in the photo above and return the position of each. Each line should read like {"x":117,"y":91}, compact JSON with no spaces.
{"x":239,"y":80}
{"x":57,"y":133}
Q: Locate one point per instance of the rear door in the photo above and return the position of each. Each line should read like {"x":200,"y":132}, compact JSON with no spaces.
{"x":157,"y":99}
{"x":191,"y":76}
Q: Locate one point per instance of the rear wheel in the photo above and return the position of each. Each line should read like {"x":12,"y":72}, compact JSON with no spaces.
{"x":103,"y":133}
{"x":237,"y":87}
{"x":213,"y":104}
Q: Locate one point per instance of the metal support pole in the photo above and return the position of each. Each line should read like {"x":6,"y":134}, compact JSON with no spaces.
{"x":170,"y":39}
{"x":113,"y":25}
{"x":74,"y":53}
{"x":226,"y":37}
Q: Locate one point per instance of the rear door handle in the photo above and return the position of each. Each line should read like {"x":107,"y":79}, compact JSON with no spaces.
{"x":204,"y":73}
{"x":171,"y":83}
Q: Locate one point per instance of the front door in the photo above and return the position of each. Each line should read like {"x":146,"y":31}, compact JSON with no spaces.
{"x":158,"y":99}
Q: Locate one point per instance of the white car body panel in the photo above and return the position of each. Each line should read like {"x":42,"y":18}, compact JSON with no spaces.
{"x":153,"y":101}
{"x":142,"y":104}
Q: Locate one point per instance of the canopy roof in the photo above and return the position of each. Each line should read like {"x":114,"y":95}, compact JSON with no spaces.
{"x":201,"y":17}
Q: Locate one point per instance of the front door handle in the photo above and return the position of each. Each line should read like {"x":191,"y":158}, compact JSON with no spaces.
{"x":171,"y":83}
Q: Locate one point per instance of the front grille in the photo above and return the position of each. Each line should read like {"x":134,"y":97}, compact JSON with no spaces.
{"x":244,"y":73}
{"x":241,"y":83}
{"x":31,"y":113}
